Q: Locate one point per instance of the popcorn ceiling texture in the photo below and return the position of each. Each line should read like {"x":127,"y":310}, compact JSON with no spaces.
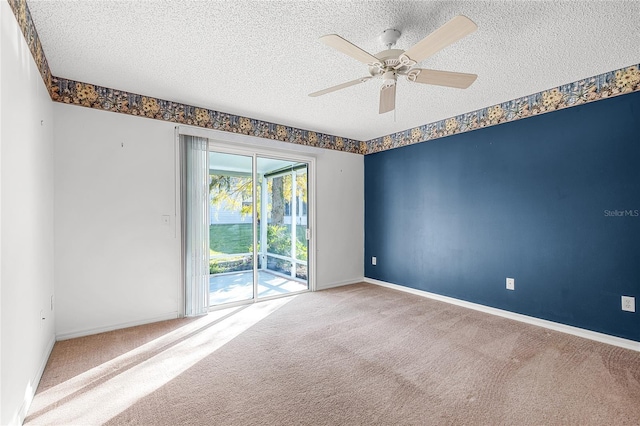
{"x":106,"y":42}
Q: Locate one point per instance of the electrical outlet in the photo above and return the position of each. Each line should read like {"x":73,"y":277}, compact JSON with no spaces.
{"x":511,"y":284}
{"x":628,"y":303}
{"x":374,"y":261}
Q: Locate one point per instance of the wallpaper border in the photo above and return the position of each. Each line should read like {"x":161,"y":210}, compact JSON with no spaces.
{"x":98,"y":97}
{"x":28,"y":28}
{"x":103,"y":98}
{"x":603,"y":86}
{"x":591,"y":89}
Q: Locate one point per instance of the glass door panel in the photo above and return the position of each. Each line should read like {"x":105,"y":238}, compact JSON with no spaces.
{"x":231,"y":262}
{"x":282,"y":227}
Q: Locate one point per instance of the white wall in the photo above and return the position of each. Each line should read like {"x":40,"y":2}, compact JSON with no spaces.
{"x":340,"y":218}
{"x":26,"y":212}
{"x":116,"y":263}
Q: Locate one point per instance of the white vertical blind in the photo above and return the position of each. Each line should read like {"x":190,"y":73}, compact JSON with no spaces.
{"x":195,"y":241}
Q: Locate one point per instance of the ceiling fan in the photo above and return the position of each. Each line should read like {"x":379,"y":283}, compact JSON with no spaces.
{"x":391,"y":63}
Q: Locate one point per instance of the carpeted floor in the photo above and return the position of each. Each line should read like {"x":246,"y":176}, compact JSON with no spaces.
{"x":359,"y":354}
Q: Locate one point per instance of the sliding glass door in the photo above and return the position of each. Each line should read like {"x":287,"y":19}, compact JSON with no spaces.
{"x":258,"y":232}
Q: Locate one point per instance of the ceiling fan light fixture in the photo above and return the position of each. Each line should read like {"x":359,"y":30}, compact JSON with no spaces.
{"x":389,"y":79}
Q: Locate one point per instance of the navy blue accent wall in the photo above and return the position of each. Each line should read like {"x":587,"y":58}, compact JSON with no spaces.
{"x":552,"y":201}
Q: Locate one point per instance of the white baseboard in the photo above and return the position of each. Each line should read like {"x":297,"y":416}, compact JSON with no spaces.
{"x":96,"y":330}
{"x":580,"y":332}
{"x":340,"y":283}
{"x":19,"y":417}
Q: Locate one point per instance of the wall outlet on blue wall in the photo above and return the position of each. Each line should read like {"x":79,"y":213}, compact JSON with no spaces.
{"x":628,"y":303}
{"x":374,"y":260}
{"x":511,"y":284}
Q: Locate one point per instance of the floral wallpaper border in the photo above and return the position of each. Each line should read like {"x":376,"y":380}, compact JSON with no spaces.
{"x":613,"y":83}
{"x":104,"y":98}
{"x":97,"y":97}
{"x":25,"y":22}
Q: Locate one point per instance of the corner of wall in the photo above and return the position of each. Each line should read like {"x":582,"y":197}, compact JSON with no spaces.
{"x":26,"y":221}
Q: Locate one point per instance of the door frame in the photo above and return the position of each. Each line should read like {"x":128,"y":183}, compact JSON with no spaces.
{"x":234,"y":143}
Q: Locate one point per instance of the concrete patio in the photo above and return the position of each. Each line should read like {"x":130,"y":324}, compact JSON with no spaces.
{"x":238,"y":286}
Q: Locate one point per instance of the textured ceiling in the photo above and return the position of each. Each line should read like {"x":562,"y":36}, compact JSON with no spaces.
{"x":260,"y":59}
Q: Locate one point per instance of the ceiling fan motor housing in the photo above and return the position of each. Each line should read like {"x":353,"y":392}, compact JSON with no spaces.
{"x":389,"y":59}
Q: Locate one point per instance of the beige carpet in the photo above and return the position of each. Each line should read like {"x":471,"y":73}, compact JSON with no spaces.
{"x":359,"y":354}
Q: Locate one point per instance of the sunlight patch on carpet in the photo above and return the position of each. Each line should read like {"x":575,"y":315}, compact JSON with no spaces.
{"x":99,"y":394}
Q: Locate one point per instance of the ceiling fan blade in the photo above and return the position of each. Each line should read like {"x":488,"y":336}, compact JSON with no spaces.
{"x":459,"y":80}
{"x":339,"y":86}
{"x":447,"y":34}
{"x":348,"y":48}
{"x":387,"y":99}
